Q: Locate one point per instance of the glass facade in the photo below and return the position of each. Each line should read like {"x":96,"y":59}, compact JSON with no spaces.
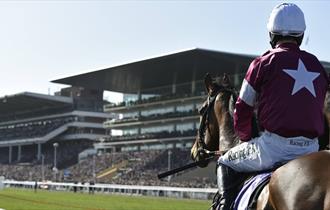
{"x":185,"y":126}
{"x":157,"y":111}
{"x":185,"y":108}
{"x":157,"y":129}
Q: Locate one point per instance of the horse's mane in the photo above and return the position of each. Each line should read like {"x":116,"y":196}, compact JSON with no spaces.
{"x":228,"y":102}
{"x":228,"y":97}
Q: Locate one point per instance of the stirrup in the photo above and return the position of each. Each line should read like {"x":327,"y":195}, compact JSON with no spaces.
{"x":227,"y":204}
{"x":215,"y":201}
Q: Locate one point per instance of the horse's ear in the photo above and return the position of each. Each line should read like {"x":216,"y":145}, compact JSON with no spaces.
{"x":225,"y":80}
{"x":208,"y":82}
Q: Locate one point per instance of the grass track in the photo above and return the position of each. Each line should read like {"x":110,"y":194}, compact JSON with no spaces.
{"x":22,"y":199}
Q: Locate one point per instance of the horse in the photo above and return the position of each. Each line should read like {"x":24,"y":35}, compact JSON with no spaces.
{"x":300,"y":184}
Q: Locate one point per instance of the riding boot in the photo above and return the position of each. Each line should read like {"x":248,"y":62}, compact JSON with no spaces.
{"x":229,"y":182}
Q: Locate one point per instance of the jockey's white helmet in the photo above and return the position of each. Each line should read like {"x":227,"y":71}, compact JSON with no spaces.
{"x":287,"y":19}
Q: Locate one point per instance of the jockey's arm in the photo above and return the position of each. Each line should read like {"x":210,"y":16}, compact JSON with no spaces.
{"x":244,"y":107}
{"x":243,"y":120}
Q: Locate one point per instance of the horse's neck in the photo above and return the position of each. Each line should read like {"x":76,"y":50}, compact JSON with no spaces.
{"x":228,"y":138}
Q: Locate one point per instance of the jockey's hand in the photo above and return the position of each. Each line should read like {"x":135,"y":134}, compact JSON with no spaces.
{"x":194,"y":152}
{"x":199,"y":154}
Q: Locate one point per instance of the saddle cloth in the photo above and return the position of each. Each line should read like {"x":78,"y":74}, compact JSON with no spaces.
{"x":243,"y":199}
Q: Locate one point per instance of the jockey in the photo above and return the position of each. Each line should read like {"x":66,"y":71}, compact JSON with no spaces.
{"x":287,"y":88}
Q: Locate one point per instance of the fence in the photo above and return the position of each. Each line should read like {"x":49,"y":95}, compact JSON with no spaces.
{"x":160,"y":191}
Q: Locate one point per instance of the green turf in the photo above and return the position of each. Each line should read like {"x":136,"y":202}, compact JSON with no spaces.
{"x":22,"y":199}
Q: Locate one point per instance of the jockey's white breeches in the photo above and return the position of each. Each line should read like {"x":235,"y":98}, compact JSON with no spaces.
{"x":266,"y":151}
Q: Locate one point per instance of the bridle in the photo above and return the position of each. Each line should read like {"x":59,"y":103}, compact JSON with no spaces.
{"x":206,"y":109}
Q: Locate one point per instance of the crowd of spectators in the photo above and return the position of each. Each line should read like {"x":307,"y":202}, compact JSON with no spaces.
{"x":31,"y":129}
{"x":67,"y":152}
{"x":36,"y":113}
{"x":132,"y":168}
{"x":90,"y":167}
{"x":144,"y":171}
{"x":26,"y":172}
{"x":140,"y":168}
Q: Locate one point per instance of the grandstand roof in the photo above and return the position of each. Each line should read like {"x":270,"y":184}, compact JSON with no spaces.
{"x":28,"y":101}
{"x":179,"y":67}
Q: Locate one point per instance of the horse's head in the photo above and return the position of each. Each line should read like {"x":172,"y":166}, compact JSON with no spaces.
{"x":216,"y":131}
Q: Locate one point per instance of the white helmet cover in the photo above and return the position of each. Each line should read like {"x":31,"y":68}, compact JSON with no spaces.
{"x":287,"y":19}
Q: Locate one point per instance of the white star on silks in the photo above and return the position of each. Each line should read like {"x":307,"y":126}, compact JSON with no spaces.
{"x":303,"y":78}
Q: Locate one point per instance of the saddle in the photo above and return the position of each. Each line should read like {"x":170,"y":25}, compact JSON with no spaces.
{"x":248,"y":195}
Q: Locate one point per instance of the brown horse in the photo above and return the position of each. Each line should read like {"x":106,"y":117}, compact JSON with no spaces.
{"x":301,"y":184}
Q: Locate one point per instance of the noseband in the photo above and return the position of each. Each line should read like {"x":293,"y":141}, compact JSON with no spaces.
{"x":206,"y":109}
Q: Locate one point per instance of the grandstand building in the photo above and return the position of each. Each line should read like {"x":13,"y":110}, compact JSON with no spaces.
{"x":32,"y":124}
{"x":161,"y":96}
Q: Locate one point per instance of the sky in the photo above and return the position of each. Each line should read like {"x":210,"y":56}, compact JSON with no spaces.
{"x":45,"y":40}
